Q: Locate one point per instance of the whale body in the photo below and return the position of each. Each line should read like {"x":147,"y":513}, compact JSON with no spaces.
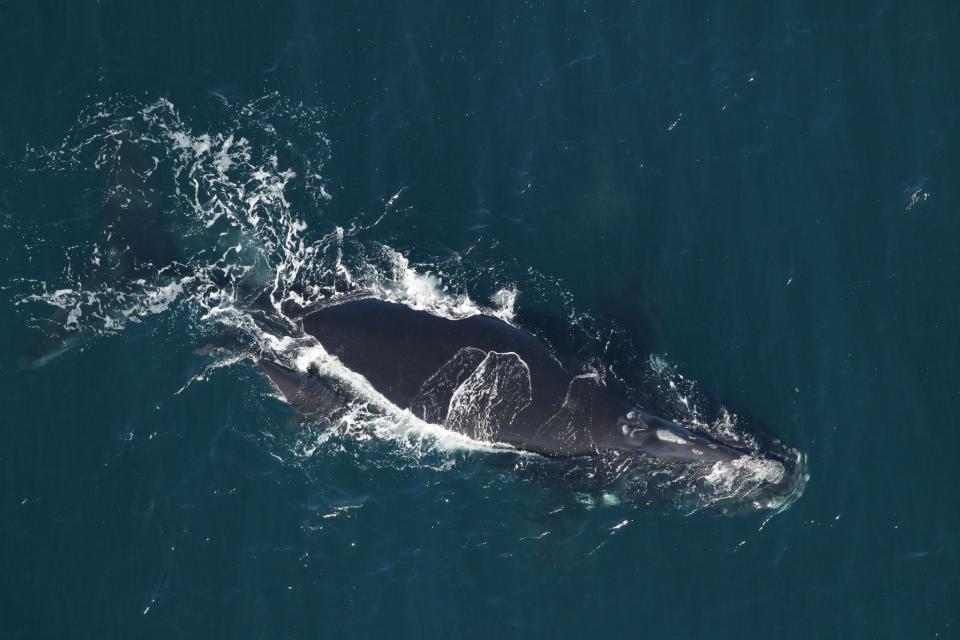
{"x":491,"y":381}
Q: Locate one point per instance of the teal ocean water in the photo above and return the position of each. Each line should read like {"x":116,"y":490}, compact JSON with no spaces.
{"x":752,"y":211}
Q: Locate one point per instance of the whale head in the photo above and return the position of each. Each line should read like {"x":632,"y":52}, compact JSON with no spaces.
{"x":762,"y":474}
{"x":660,"y":438}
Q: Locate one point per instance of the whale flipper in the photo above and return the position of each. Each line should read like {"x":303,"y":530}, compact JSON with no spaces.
{"x":311,"y":394}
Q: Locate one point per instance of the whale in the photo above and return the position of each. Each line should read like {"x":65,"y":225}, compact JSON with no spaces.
{"x":491,"y":381}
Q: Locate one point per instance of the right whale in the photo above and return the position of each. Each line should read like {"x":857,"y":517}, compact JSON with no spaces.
{"x":486,"y":379}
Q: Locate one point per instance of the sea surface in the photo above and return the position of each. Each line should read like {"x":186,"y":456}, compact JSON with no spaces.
{"x":757,"y":202}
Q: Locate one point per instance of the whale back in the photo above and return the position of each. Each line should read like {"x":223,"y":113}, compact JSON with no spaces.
{"x":478,"y":375}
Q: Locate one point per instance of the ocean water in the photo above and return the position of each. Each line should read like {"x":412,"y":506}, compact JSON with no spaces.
{"x":753,"y":208}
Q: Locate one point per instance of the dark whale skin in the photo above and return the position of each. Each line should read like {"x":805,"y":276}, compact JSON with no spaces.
{"x":398,"y":349}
